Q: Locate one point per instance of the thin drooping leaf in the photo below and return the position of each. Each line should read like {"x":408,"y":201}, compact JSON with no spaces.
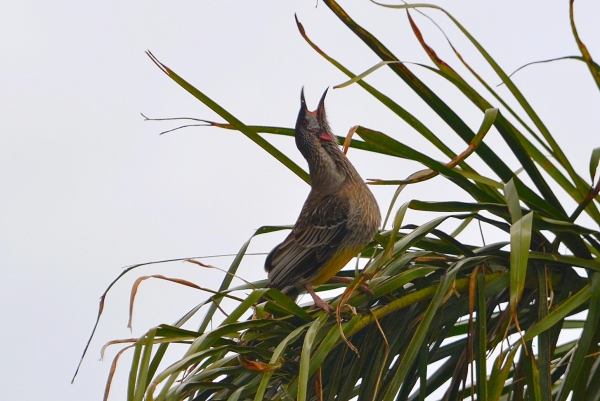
{"x":551,"y":60}
{"x":273,"y":151}
{"x":364,"y":74}
{"x":593,"y":67}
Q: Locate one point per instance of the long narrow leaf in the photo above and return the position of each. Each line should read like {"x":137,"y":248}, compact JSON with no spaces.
{"x":309,"y":339}
{"x":273,"y":151}
{"x":593,"y":67}
{"x":520,"y":238}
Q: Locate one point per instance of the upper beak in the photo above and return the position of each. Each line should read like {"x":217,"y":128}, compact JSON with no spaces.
{"x":303,"y":108}
{"x":302,"y":99}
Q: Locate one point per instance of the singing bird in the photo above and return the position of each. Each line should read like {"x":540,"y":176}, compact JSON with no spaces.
{"x":339,"y":217}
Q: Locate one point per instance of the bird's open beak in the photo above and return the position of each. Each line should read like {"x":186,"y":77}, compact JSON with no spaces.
{"x":319,"y":112}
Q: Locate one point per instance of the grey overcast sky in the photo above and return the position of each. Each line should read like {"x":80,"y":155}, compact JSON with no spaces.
{"x":89,"y":187}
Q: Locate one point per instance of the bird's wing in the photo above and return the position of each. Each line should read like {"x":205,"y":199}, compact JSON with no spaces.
{"x":315,"y":239}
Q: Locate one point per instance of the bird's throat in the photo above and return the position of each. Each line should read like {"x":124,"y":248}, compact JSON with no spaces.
{"x":327,"y":172}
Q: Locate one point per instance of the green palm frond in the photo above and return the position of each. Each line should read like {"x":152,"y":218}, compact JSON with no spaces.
{"x":448,"y":316}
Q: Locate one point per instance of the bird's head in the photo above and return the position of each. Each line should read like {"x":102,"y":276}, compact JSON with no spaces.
{"x":313,"y":135}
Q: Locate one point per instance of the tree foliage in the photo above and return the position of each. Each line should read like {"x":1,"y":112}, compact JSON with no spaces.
{"x":479,"y":322}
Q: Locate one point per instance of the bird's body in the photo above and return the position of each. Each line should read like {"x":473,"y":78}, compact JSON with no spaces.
{"x":339,"y":217}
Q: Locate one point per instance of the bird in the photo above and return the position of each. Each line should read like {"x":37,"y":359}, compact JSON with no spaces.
{"x":338,"y":219}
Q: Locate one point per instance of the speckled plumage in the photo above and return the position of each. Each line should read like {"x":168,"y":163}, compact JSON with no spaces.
{"x":339,"y":217}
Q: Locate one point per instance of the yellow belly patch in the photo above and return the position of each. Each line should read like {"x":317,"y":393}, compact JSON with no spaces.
{"x":336,"y":264}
